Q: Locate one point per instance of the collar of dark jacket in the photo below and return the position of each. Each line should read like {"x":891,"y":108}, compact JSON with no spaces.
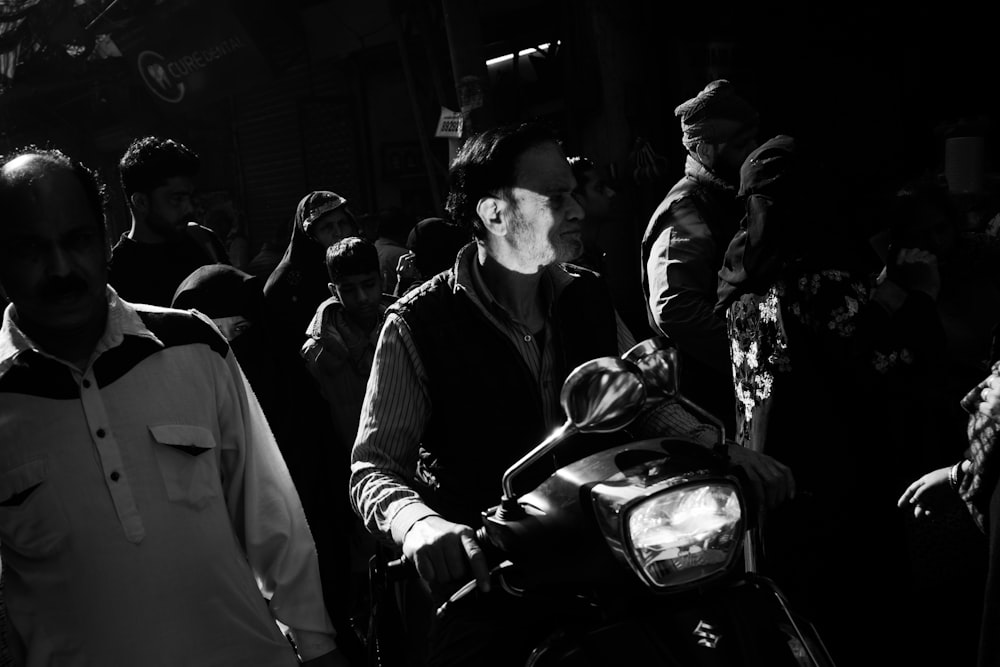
{"x":701,"y":174}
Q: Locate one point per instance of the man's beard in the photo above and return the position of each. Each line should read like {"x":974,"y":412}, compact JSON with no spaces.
{"x":164,"y":228}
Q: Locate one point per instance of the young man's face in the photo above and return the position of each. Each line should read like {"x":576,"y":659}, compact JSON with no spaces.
{"x":545,"y":220}
{"x":331,"y":227}
{"x":360,"y":294}
{"x":53,"y":262}
{"x":170,"y":206}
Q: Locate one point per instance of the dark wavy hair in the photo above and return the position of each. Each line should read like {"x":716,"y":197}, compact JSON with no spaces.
{"x":11,"y":196}
{"x":150,"y":161}
{"x":485,"y":166}
{"x":351,"y":256}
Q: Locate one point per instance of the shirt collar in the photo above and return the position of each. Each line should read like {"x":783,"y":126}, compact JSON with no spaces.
{"x":123,"y":320}
{"x":469,"y":278}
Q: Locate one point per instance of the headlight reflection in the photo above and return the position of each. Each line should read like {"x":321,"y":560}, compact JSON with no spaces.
{"x":686,"y":533}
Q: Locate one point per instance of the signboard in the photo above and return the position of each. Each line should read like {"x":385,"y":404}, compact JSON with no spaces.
{"x":192,"y":54}
{"x":449,"y":124}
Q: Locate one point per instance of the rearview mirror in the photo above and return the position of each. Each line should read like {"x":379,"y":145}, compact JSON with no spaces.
{"x":600,"y":396}
{"x":657,"y":359}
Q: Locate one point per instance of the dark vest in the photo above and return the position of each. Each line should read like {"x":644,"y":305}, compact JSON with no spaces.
{"x":485,"y":404}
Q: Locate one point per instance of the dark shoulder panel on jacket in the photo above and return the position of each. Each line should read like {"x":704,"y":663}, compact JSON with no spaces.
{"x":181,"y":327}
{"x":173,"y":327}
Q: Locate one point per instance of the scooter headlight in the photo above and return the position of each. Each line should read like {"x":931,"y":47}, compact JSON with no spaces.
{"x":685,"y":533}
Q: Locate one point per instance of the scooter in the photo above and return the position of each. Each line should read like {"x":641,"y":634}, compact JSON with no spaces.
{"x":648,"y":548}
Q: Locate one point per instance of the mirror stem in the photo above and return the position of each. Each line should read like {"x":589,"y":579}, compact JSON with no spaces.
{"x":557,"y":436}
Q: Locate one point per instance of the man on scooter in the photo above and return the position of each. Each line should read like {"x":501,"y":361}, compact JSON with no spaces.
{"x":467,"y":375}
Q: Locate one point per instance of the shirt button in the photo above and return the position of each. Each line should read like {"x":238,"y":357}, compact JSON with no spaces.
{"x":115,"y":476}
{"x":86,"y":384}
{"x":101,"y":433}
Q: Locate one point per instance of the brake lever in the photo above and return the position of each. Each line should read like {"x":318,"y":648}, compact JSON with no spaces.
{"x":470,"y":587}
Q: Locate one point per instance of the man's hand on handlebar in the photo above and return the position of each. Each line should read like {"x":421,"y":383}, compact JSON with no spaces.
{"x":444,"y":552}
{"x":772,"y":481}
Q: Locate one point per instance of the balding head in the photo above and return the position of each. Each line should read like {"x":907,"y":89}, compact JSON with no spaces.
{"x":22,"y":174}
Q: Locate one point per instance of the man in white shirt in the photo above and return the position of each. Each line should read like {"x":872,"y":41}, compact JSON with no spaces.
{"x":146,"y":515}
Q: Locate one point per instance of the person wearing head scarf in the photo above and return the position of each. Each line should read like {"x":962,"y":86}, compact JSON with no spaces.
{"x":234,"y":301}
{"x":807,"y":330}
{"x":687,"y":235}
{"x":299,"y":283}
{"x":780,"y":228}
{"x":434,"y":244}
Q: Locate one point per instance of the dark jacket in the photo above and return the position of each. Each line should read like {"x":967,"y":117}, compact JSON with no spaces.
{"x":685,"y":242}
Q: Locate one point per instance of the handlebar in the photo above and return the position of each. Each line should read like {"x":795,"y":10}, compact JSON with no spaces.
{"x":403,"y":569}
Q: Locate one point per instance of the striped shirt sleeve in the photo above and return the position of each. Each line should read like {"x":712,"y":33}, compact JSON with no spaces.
{"x":393,"y":416}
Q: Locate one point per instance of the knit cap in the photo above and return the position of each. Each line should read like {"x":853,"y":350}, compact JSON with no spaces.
{"x":716,"y":114}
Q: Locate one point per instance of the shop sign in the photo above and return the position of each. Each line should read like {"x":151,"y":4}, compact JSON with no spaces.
{"x":192,"y":54}
{"x":449,"y":124}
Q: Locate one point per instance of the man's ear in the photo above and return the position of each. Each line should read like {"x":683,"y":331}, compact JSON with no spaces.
{"x":490,"y":211}
{"x":332,"y":288}
{"x":139,"y":202}
{"x":705,"y":152}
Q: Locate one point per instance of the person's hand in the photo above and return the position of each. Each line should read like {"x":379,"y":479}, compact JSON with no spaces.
{"x":915,"y":270}
{"x":406,"y":269}
{"x":990,"y":395}
{"x":445,"y":552}
{"x":772,"y":481}
{"x":914,"y":494}
{"x":334,"y":658}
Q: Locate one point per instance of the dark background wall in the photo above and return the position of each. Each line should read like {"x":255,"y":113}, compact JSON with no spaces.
{"x":350,"y":92}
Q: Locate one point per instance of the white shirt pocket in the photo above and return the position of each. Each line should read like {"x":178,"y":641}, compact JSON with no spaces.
{"x":32,"y":522}
{"x":186,"y":457}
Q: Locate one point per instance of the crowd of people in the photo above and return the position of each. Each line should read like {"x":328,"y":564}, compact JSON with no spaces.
{"x":201,"y":451}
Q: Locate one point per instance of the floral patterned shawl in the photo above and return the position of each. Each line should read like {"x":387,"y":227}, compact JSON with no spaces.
{"x":977,"y":486}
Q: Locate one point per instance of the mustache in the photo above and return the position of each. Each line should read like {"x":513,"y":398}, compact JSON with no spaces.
{"x":61,"y":286}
